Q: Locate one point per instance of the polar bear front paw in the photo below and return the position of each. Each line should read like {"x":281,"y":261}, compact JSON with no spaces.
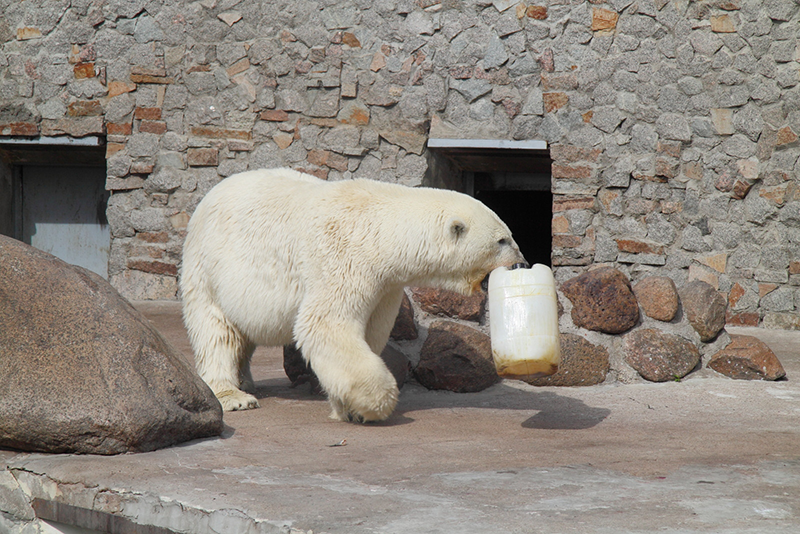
{"x":234,"y":399}
{"x":360,"y":408}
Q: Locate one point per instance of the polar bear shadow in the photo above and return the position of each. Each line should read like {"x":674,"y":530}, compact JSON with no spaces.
{"x":554,"y":411}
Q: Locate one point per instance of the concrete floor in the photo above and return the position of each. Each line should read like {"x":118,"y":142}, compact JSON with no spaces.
{"x":707,"y":454}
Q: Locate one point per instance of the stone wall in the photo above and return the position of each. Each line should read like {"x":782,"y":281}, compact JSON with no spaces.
{"x":673,"y":125}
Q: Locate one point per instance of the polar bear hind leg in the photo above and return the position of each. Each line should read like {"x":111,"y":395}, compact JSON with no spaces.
{"x":222,"y":353}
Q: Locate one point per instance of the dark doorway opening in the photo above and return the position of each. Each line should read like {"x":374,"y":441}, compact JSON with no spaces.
{"x":512,"y":178}
{"x":528,"y":216}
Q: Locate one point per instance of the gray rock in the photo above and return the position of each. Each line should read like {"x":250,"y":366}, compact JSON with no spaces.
{"x":496,"y":54}
{"x":147,"y":30}
{"x":606,"y":118}
{"x":749,"y":121}
{"x":704,"y":307}
{"x":472,"y":89}
{"x":674,"y":126}
{"x":104,"y":382}
{"x":643,"y":138}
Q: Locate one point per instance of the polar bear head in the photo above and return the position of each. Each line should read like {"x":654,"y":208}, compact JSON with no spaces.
{"x":468,"y":242}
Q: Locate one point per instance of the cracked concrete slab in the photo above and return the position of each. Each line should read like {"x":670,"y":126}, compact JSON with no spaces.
{"x":708,"y":454}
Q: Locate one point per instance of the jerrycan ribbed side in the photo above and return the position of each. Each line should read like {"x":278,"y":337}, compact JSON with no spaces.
{"x":523,"y":315}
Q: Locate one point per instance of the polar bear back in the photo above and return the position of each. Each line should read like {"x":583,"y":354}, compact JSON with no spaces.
{"x":261,"y":240}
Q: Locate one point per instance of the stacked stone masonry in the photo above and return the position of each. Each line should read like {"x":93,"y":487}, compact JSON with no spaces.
{"x":672,"y":125}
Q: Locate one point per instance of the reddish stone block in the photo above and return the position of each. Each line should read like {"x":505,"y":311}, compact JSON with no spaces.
{"x":737,"y":292}
{"x":116,"y":88}
{"x":635,"y":246}
{"x":140,"y":167}
{"x":274,"y":115}
{"x":153,"y":237}
{"x":19,"y":128}
{"x":318,"y":157}
{"x":566,"y":241}
{"x":116,"y":128}
{"x":83,"y":71}
{"x":743,"y":319}
{"x":154,"y":267}
{"x":146,"y":78}
{"x":84,"y":108}
{"x":350,"y":40}
{"x":153,"y":127}
{"x":574,"y":154}
{"x":536,"y":12}
{"x":574,"y":173}
{"x":566,"y":203}
{"x":202,"y":157}
{"x":554,"y":101}
{"x":152,"y":114}
{"x":603,"y":19}
{"x":559,"y":82}
{"x":113,"y":148}
{"x":216,"y":132}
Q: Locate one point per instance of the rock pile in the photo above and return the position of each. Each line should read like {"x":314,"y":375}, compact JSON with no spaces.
{"x":83,"y":371}
{"x":680,"y":329}
{"x":653,"y":331}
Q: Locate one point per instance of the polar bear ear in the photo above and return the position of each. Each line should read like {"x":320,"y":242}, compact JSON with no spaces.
{"x":457,"y":228}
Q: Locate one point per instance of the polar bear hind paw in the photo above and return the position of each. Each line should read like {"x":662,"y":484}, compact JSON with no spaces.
{"x":233,"y":400}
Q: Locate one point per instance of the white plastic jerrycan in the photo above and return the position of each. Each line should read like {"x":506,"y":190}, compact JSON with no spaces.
{"x":523,"y":315}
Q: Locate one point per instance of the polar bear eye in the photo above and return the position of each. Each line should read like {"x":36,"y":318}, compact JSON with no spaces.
{"x":503,"y":242}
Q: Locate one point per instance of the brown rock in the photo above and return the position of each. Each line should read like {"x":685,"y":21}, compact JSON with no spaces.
{"x":582,"y":364}
{"x":747,"y":358}
{"x":299,"y":372}
{"x":658,"y":297}
{"x":602,"y":300}
{"x":603,"y":19}
{"x":83,"y":371}
{"x":404,"y":326}
{"x":449,"y":304}
{"x":456,"y":358}
{"x":659,"y":356}
{"x":704,"y":307}
{"x":202,"y":157}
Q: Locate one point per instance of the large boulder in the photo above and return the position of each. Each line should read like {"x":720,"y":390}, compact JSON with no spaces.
{"x":582,"y":364}
{"x":704,"y":308}
{"x":456,"y":358}
{"x":658,"y":297}
{"x":747,"y":358}
{"x":405,"y":329}
{"x":658,"y":356}
{"x":85,"y":372}
{"x":602,"y":300}
{"x":449,"y":304}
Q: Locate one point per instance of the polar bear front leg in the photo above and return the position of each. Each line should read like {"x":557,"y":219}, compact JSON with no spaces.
{"x":222,"y":355}
{"x":359,"y":385}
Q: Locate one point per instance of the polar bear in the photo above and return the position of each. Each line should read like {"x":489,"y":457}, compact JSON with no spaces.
{"x":276,"y":256}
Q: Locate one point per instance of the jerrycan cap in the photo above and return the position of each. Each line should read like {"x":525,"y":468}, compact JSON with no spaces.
{"x":522,"y":265}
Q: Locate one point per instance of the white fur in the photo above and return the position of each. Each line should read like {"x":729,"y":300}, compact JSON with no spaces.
{"x":276,"y":256}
